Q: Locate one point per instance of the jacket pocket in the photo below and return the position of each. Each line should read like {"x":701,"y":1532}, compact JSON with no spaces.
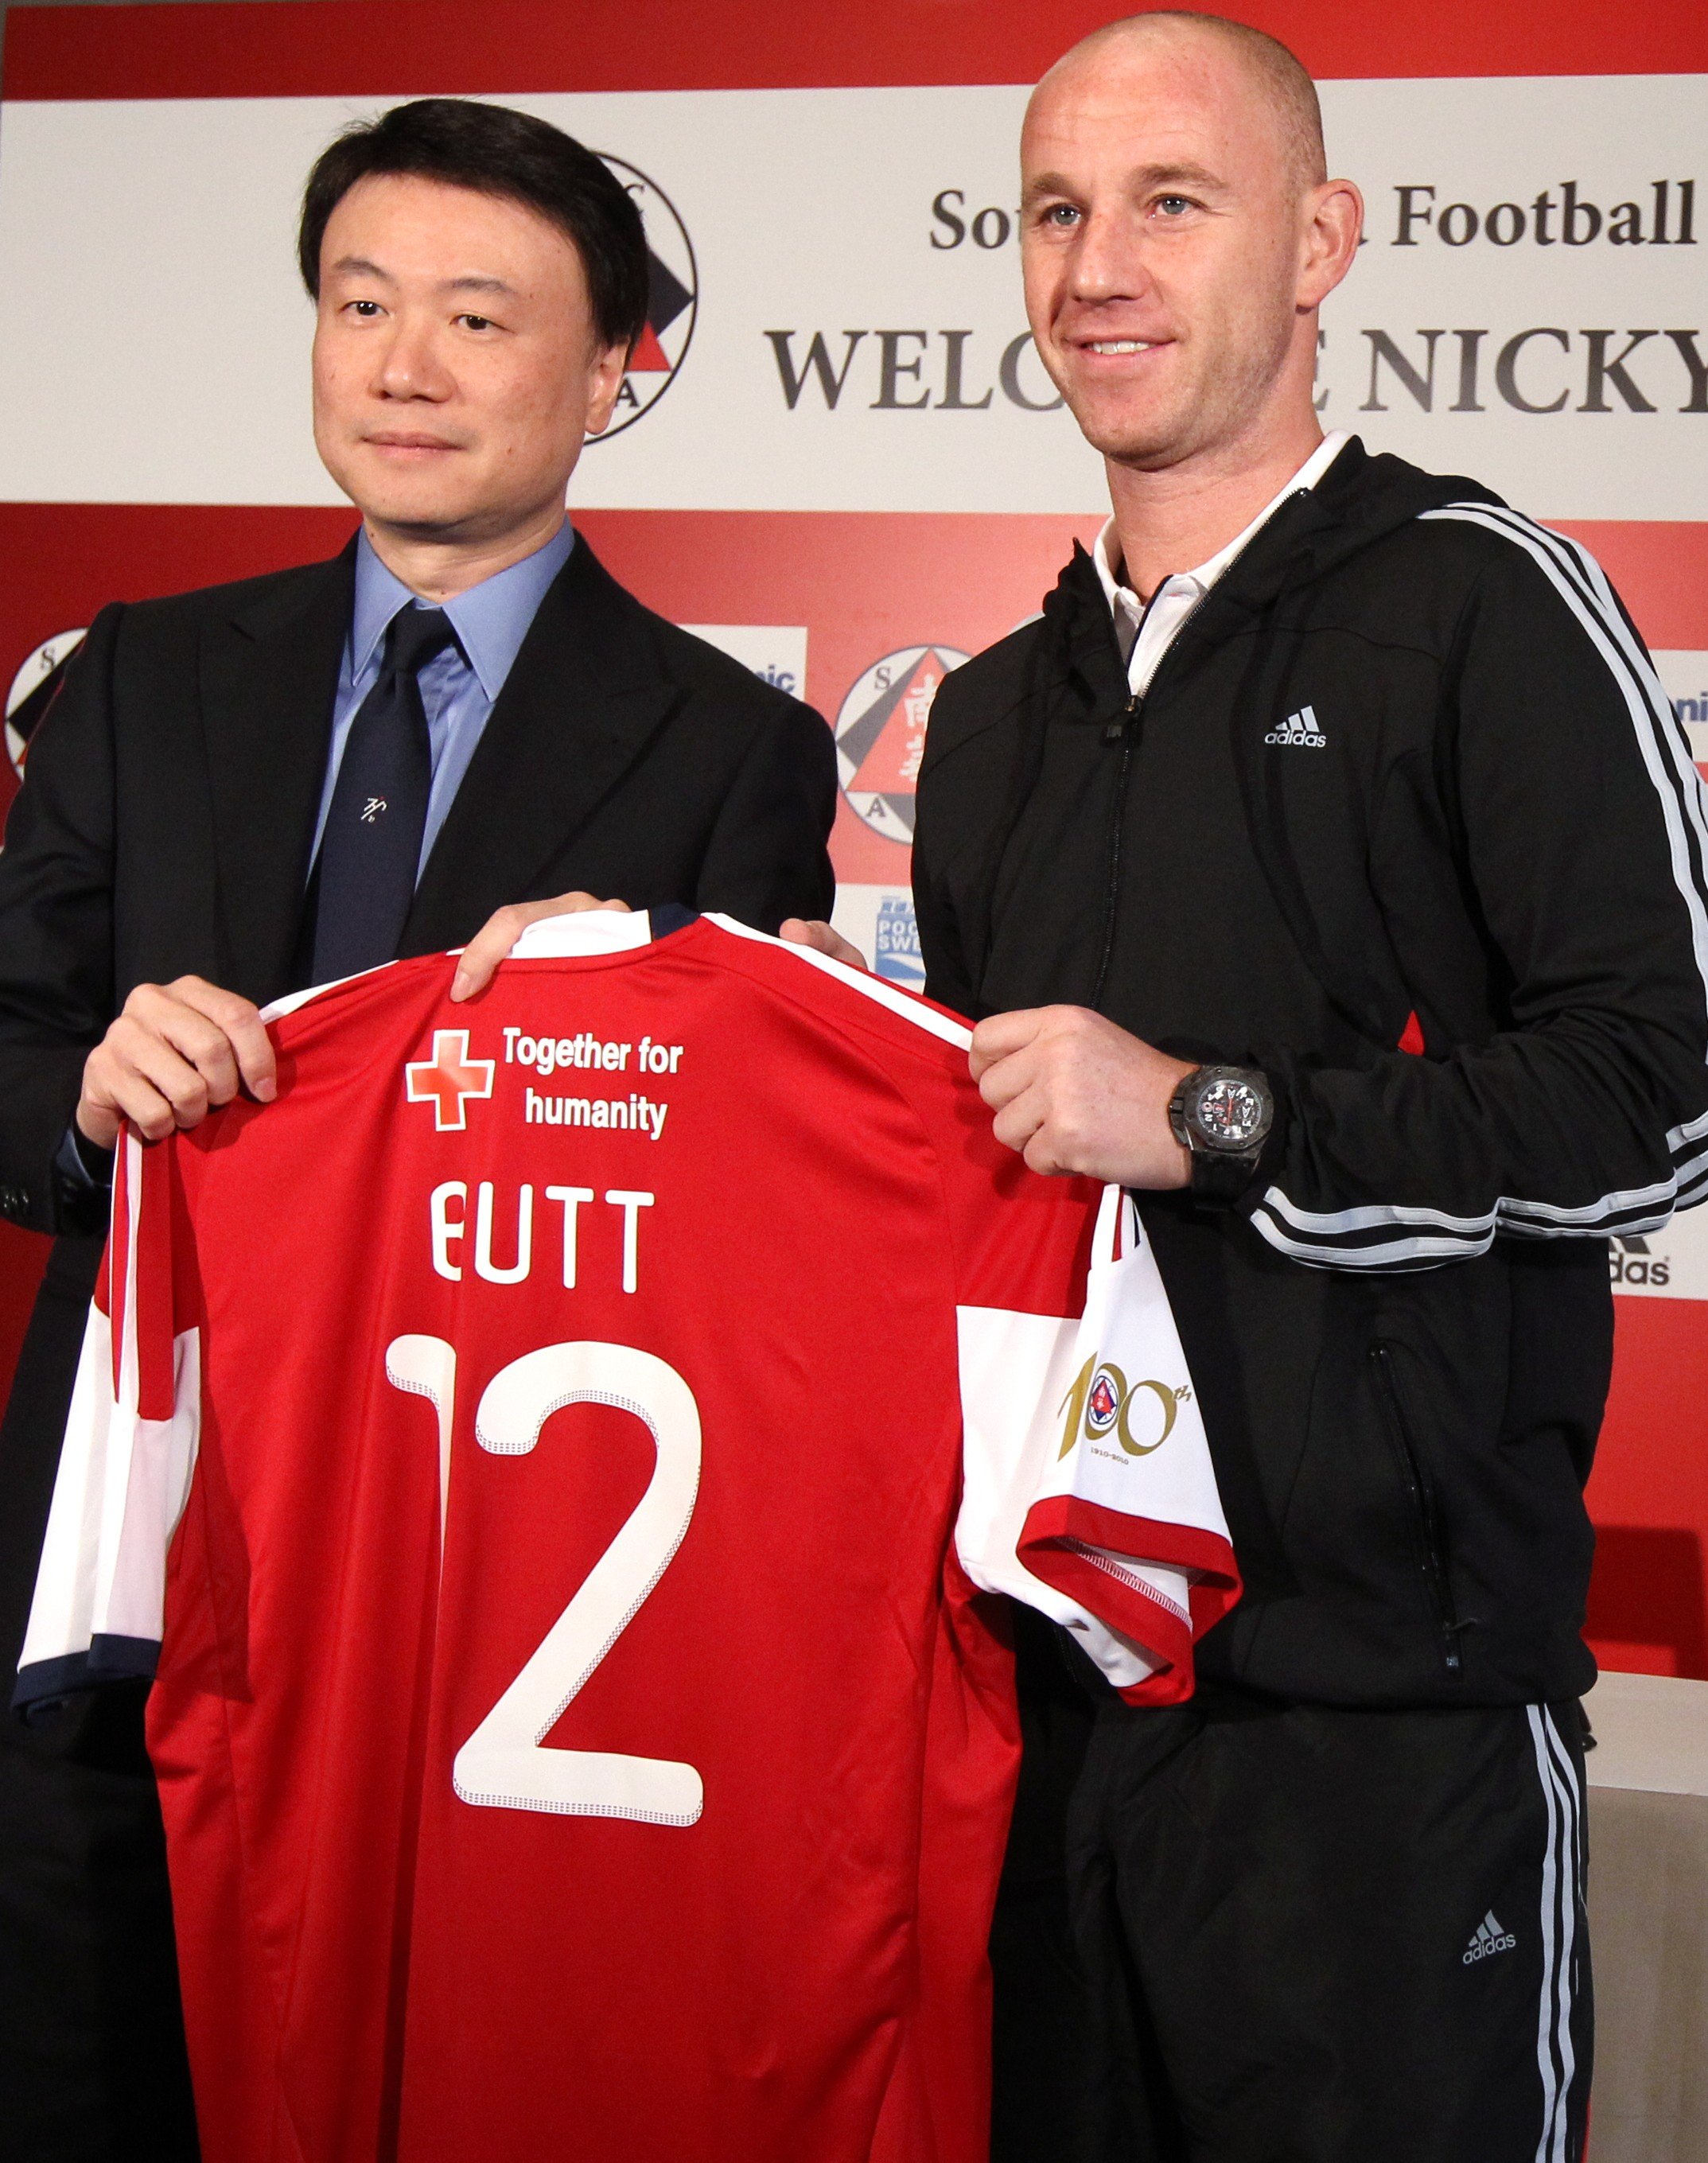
{"x":1420,"y":1494}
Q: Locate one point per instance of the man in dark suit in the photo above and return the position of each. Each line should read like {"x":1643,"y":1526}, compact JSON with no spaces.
{"x":244,"y":790}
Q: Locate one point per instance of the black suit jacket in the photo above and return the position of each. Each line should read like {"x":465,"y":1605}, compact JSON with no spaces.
{"x":164,"y":825}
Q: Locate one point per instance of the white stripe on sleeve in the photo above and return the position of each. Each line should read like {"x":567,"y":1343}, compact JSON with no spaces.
{"x":1343,"y":1238}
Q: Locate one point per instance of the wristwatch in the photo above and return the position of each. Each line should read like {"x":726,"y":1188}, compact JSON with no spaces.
{"x":1222,"y":1115}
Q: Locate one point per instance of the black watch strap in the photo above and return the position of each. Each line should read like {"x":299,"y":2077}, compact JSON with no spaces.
{"x":1220,"y":1177}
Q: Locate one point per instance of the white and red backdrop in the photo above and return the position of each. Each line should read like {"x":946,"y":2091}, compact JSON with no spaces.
{"x":837,"y":454}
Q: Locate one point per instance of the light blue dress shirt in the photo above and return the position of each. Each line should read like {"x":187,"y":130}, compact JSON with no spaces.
{"x":458,"y":686}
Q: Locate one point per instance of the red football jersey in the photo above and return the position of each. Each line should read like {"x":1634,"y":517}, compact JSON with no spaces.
{"x":588,"y":1416}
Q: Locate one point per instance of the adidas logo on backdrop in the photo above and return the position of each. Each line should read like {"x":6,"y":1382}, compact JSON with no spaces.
{"x":1489,"y":1938}
{"x":1301,"y":731}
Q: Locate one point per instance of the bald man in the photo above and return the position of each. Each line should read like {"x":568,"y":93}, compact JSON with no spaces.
{"x":1325,"y":866}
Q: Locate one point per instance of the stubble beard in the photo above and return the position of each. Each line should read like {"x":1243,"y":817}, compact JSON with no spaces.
{"x":1212,"y":411}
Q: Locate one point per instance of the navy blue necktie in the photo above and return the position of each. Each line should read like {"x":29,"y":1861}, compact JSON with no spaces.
{"x":368,"y":854}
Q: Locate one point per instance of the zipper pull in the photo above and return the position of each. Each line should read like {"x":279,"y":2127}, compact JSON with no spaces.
{"x":1115,"y":732}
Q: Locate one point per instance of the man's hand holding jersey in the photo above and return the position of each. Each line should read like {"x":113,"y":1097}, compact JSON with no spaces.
{"x":180,"y":1050}
{"x":176,"y":1053}
{"x":1073,"y":1093}
{"x":819,"y":936}
{"x":477,"y":963}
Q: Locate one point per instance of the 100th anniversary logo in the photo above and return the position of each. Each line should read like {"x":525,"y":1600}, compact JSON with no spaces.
{"x":1102,"y":1402}
{"x":881,"y":735}
{"x":672,"y":299}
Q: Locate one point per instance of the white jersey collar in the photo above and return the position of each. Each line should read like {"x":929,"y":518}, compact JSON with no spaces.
{"x":588,"y":931}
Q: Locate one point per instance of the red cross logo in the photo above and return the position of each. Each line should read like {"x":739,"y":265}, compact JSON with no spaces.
{"x":447,"y":1077}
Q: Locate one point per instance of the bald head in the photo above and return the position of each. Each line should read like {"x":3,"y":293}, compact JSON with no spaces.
{"x":1177,"y":235}
{"x":1278,"y":82}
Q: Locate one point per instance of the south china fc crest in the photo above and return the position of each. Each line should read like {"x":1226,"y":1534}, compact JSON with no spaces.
{"x":881,"y":736}
{"x":672,"y":299}
{"x":1102,"y":1404}
{"x":32,"y":692}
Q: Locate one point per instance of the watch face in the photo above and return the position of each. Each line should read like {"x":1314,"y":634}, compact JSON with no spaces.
{"x":1231,"y":1114}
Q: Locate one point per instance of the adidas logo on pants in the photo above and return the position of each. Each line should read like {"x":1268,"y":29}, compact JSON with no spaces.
{"x":1489,"y":1938}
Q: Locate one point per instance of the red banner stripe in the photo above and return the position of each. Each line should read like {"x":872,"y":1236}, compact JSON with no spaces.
{"x":394,"y":49}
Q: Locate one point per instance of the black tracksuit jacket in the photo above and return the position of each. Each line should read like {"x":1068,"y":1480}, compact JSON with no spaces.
{"x":1405,"y":774}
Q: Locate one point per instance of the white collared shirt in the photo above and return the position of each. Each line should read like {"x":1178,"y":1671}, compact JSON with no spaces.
{"x":1145,"y":633}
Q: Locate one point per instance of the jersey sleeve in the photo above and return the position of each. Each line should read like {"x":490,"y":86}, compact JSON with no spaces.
{"x":128,"y":1453}
{"x":1088,"y":1490}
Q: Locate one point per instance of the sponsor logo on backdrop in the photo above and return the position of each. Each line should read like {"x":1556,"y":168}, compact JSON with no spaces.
{"x":1669,"y":1264}
{"x":1633,"y":1262}
{"x":32,"y":692}
{"x":776,"y":653}
{"x":673,"y":300}
{"x":881,"y":735}
{"x":896,"y":946}
{"x":858,"y":911}
{"x":1685,"y":677}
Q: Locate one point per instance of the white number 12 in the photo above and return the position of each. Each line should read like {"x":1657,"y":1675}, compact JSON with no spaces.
{"x":502,"y":1764}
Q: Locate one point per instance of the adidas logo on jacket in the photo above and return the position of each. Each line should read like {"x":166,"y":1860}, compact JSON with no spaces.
{"x":1300,"y":729}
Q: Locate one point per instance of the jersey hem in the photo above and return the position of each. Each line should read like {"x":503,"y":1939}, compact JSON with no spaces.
{"x":1064,"y":1541}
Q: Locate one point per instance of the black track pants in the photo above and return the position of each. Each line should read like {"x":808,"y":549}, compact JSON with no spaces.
{"x":1289,"y":1934}
{"x":92,"y":2067}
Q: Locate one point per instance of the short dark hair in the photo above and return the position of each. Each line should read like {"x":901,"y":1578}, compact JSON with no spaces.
{"x":495,"y":151}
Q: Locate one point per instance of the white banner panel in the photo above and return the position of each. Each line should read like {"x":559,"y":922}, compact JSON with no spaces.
{"x":1530,"y":305}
